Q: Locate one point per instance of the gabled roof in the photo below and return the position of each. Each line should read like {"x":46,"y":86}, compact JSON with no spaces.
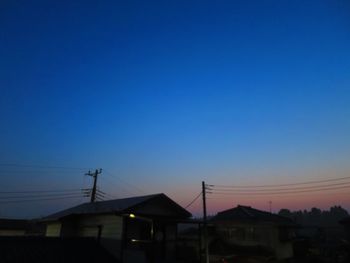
{"x":125,"y":205}
{"x":245,"y":214}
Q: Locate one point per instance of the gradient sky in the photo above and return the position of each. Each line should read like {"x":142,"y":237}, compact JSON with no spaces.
{"x":165,"y":94}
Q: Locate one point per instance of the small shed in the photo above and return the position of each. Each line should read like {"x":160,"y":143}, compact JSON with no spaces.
{"x":135,"y":229}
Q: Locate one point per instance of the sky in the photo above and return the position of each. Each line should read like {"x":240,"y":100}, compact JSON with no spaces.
{"x":163,"y":95}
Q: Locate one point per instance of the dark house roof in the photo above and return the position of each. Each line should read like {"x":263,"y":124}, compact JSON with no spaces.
{"x":247,"y":214}
{"x":140,"y":204}
{"x":13,"y":224}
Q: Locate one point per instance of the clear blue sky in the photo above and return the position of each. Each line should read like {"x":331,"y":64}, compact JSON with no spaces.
{"x":165,"y":94}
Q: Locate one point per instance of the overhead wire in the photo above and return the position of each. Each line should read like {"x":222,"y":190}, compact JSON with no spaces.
{"x":282,"y":189}
{"x":57,"y":167}
{"x":279,"y":192}
{"x":117,"y":186}
{"x":41,"y":191}
{"x":44,"y":195}
{"x":280,"y":185}
{"x":41,"y":199}
{"x":42,"y":166}
{"x":40,"y":196}
{"x":111,"y":196}
{"x":194,"y":200}
{"x":124,"y":182}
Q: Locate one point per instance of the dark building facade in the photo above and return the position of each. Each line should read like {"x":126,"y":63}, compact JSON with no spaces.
{"x":249,"y":227}
{"x":136,"y":229}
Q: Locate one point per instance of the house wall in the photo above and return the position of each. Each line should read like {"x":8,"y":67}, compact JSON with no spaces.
{"x":12,"y":232}
{"x":283,"y":248}
{"x":136,"y":229}
{"x":53,"y":229}
{"x":266,"y":235}
{"x":69,"y":228}
{"x":139,"y":229}
{"x":347,"y":231}
{"x":247,"y":235}
{"x":170,"y":239}
{"x":111,"y":226}
{"x":160,"y":247}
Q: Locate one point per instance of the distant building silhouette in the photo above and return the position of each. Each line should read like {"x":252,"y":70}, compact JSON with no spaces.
{"x":249,"y":227}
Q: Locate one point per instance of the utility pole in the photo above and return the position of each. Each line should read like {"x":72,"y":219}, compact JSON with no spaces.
{"x":94,"y":175}
{"x":270,"y":205}
{"x":205,"y":236}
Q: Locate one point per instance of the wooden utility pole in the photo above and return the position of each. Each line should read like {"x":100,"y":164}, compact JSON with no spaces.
{"x":94,"y":175}
{"x":205,"y":230}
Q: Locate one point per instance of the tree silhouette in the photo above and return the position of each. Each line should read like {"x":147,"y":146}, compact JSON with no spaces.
{"x":316,"y":216}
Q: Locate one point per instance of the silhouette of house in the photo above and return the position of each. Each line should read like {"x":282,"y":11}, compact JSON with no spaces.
{"x":21,"y":227}
{"x":13,"y":227}
{"x":136,"y":229}
{"x":346,"y":223}
{"x":249,"y":227}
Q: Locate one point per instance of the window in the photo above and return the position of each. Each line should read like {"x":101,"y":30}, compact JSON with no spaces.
{"x":238,"y":233}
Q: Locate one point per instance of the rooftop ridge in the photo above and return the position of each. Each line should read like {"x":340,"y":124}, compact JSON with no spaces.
{"x":122,"y":205}
{"x":247,"y":213}
{"x":245,"y":210}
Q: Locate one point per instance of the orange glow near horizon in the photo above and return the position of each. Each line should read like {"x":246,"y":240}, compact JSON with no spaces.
{"x":302,"y":201}
{"x":302,"y":189}
{"x":292,"y":202}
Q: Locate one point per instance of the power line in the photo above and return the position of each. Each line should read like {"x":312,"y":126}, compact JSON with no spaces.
{"x":98,"y":198}
{"x":280,"y":185}
{"x":194,"y":200}
{"x":99,"y":191}
{"x":39,"y":196}
{"x":111,"y":196}
{"x":43,"y":199}
{"x":42,"y":166}
{"x":57,"y":167}
{"x":281,"y":189}
{"x":41,"y":191}
{"x":124,"y":182}
{"x":102,"y":195}
{"x":280,"y":193}
{"x":113,"y":183}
